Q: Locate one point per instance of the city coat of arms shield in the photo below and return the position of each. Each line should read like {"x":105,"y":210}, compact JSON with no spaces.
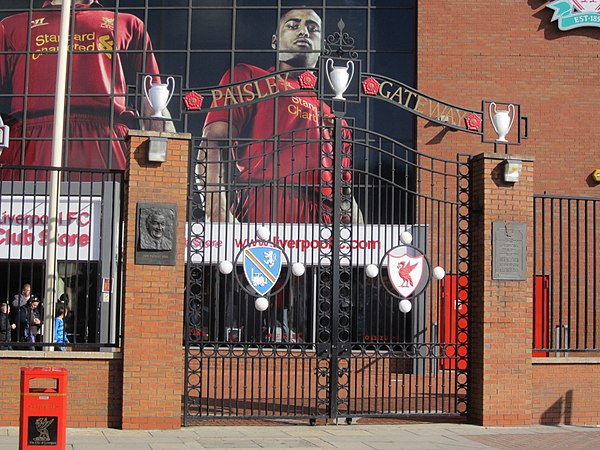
{"x":262,"y":267}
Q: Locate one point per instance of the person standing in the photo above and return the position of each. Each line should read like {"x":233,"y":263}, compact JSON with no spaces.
{"x":60,"y":335}
{"x":20,"y":314}
{"x":35,"y":319}
{"x":109,"y":49}
{"x":285,"y":140}
{"x":6,"y":327}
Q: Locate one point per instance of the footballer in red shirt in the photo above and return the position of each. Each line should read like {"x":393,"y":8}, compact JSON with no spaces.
{"x":280,"y":139}
{"x":108,"y":50}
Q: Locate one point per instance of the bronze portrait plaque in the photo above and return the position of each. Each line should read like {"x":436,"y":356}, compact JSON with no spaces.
{"x":155,"y":234}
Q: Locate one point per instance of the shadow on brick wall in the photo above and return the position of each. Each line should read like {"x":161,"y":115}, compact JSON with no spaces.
{"x":559,"y":412}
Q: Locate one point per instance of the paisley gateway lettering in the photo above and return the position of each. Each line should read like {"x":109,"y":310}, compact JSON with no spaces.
{"x":243,"y":93}
{"x":421,"y":104}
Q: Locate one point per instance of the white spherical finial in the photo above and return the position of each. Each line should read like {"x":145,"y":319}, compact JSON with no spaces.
{"x":225,"y":267}
{"x":298,"y":269}
{"x":261,"y":304}
{"x":406,"y":238}
{"x":405,"y":306}
{"x":438,"y":273}
{"x":372,"y":270}
{"x":263,"y":233}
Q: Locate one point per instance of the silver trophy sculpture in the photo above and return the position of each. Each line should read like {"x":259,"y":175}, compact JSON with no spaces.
{"x":339,"y":77}
{"x":159,"y":95}
{"x":502,"y":120}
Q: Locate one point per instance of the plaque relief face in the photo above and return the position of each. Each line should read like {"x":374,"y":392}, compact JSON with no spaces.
{"x":156,"y":234}
{"x":156,"y":229}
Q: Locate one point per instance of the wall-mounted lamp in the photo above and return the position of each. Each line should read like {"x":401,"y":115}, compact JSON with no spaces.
{"x":512,"y":170}
{"x":596,"y":175}
{"x":157,"y":149}
{"x":4,"y":135}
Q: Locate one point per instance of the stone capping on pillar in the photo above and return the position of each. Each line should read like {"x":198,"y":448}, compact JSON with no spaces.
{"x":153,"y":299}
{"x":165,"y":134}
{"x":501,"y":311}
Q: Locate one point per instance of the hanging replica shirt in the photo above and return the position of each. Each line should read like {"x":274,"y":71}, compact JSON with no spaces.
{"x":281,"y":140}
{"x":97,"y":79}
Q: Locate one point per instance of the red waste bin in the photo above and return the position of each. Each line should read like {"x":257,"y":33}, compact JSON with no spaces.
{"x":43,"y":408}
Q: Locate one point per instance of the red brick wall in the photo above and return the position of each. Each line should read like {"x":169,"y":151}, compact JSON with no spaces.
{"x":154,"y":302}
{"x":501,"y":312}
{"x":94,"y":387}
{"x":566,"y":393}
{"x":510,"y":50}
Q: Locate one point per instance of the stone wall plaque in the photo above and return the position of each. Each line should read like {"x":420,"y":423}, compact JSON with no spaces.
{"x":155,"y":234}
{"x":509,"y":242}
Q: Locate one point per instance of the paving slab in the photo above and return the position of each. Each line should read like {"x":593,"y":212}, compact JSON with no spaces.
{"x":357,"y":436}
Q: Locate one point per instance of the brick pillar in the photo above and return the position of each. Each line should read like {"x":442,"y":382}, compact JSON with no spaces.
{"x":500,"y":311}
{"x":153,"y":363}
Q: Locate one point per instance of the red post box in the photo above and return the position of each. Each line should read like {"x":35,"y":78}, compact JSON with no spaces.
{"x":42,"y":423}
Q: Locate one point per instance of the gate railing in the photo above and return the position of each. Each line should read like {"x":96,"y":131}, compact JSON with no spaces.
{"x":88,"y":253}
{"x":301,"y":355}
{"x":567,"y":275}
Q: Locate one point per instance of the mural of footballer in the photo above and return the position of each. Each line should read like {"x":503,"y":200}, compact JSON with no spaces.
{"x":107,"y":48}
{"x":296,"y":158}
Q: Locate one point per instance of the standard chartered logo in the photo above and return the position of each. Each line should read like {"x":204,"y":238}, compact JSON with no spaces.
{"x":106,"y":44}
{"x":80,"y":42}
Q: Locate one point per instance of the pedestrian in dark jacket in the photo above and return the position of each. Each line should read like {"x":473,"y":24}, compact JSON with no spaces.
{"x":19,"y":313}
{"x":6,"y":327}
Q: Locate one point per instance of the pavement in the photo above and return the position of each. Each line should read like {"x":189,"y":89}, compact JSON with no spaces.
{"x":358,"y":436}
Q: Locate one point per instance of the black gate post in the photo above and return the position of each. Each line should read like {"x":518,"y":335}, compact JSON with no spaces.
{"x":340,"y":279}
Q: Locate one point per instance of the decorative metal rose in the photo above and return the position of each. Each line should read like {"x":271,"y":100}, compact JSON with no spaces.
{"x":473,"y":122}
{"x":370,"y":86}
{"x":193,"y":101}
{"x":307,"y":80}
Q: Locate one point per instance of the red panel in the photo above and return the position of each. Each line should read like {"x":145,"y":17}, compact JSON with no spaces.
{"x":541,"y":297}
{"x":449,"y":316}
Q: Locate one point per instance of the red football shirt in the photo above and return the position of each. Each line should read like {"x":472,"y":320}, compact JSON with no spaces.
{"x":278,"y":139}
{"x":296,"y":135}
{"x":109,"y":50}
{"x":98,"y":38}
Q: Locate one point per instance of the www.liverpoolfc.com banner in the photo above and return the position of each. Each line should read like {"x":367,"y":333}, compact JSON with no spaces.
{"x":365,"y":244}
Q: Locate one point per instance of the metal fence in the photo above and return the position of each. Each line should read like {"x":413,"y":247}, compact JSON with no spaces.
{"x":567,"y":276}
{"x":88,"y":269}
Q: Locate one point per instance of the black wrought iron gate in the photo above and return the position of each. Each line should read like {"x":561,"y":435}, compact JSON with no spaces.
{"x":333,"y":341}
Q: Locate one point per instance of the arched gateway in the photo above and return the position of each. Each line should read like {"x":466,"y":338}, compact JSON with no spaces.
{"x":317,"y":255}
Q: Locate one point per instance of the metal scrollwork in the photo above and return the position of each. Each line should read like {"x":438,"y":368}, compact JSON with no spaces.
{"x":340,"y":43}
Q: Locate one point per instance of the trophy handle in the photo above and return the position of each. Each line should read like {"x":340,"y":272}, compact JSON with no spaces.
{"x":349,"y":65}
{"x":512,"y":119}
{"x":146,"y":78}
{"x":170,"y":80}
{"x":329,"y":68}
{"x":493,"y":107}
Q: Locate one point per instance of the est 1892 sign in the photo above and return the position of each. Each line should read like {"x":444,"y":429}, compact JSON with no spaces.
{"x":575,"y":13}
